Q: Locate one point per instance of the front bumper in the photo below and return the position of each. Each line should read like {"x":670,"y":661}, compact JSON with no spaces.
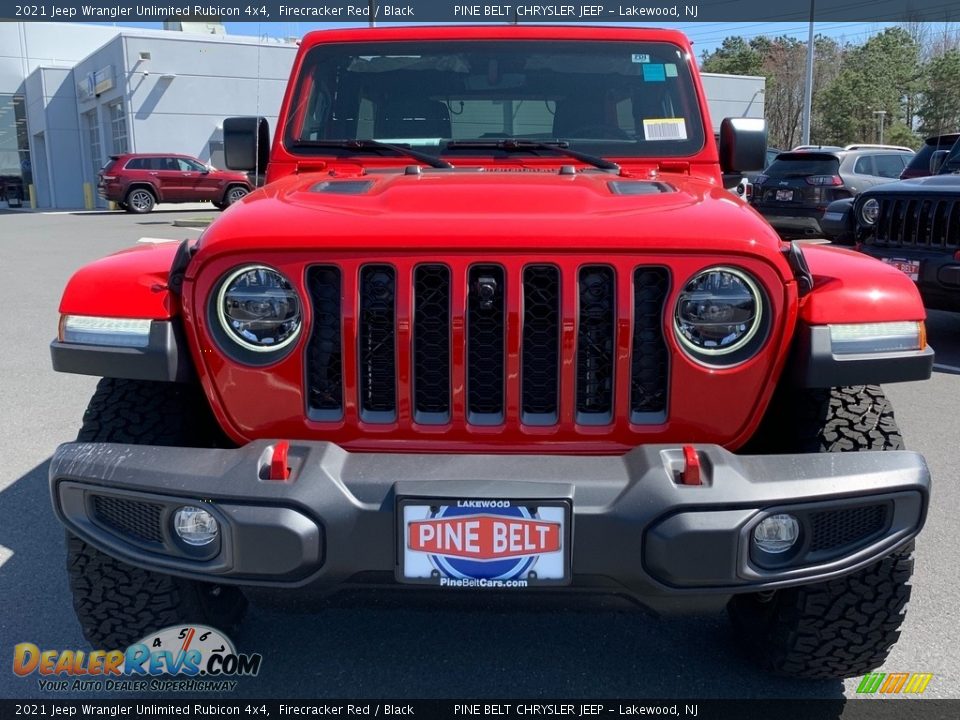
{"x":636,"y":529}
{"x":791,"y":222}
{"x":939,"y":278}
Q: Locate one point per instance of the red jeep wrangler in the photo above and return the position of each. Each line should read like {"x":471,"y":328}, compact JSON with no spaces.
{"x":494,"y":325}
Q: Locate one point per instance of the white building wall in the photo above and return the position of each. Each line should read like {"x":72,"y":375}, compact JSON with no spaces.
{"x":733,"y":96}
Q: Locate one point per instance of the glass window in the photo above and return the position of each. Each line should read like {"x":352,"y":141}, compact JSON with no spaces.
{"x":92,"y":129}
{"x":609,"y":98}
{"x":189,"y":165}
{"x":888,"y":166}
{"x":137,"y":164}
{"x":118,"y":127}
{"x":864,"y":166}
{"x":802,"y":164}
{"x":15,"y":171}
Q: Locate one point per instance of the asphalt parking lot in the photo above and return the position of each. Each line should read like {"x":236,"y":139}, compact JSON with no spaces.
{"x":381,"y":648}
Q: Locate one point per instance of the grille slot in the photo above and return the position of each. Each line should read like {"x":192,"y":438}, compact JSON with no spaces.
{"x":324,"y":352}
{"x":541,"y":345}
{"x":596,"y":345}
{"x":377,"y":343}
{"x":917,"y":222}
{"x":486,"y":321}
{"x":649,"y":361}
{"x":133,"y":518}
{"x":431,"y":344}
{"x":834,"y":529}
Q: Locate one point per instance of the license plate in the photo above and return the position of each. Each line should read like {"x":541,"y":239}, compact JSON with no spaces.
{"x":484,"y":543}
{"x":784,"y":195}
{"x":910,"y":267}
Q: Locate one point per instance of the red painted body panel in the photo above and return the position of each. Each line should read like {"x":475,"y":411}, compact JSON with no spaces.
{"x":524,"y":213}
{"x":853,"y":288}
{"x":129,"y":284}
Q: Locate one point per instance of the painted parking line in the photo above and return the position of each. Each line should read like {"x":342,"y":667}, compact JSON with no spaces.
{"x":5,"y":554}
{"x":158,"y":241}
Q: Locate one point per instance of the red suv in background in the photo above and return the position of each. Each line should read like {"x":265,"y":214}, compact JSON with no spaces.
{"x":138,"y":181}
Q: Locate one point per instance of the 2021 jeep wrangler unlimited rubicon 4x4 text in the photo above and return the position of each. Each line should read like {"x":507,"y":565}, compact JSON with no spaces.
{"x":492,"y":324}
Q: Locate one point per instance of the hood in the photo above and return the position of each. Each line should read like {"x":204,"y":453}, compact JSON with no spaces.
{"x":510,"y":208}
{"x":932,"y":184}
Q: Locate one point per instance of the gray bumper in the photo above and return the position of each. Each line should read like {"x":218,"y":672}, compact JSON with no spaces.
{"x":636,"y":530}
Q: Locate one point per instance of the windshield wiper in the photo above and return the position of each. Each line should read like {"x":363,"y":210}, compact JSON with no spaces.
{"x":376,"y":146}
{"x":520,"y":145}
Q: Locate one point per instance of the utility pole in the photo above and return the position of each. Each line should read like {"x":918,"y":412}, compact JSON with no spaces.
{"x":808,"y":85}
{"x":882,"y":114}
{"x":371,"y":8}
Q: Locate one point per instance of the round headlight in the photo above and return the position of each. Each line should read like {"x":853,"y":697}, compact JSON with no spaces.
{"x":718,"y":312}
{"x":870,"y":212}
{"x":259,"y":309}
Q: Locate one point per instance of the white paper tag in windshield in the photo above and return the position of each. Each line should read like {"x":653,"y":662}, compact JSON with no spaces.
{"x":664,"y":129}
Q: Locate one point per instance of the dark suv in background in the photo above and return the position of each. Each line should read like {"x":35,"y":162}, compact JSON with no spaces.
{"x":920,"y":165}
{"x":137,"y":182}
{"x":793,"y":192}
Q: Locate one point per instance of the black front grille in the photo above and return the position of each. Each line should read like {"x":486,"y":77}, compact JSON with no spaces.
{"x":833,"y":529}
{"x":486,"y":353}
{"x":540,"y":366}
{"x":377,"y":347}
{"x":324,"y":356}
{"x":133,"y":518}
{"x":454,"y":323}
{"x":925,"y":223}
{"x":650,"y":361}
{"x":431,"y":344}
{"x":595,"y":345}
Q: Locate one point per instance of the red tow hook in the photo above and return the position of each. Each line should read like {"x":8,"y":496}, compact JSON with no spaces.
{"x":691,"y":469}
{"x":279,"y":470}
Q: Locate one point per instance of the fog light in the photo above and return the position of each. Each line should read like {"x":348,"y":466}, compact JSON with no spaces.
{"x":195,"y":526}
{"x":776,"y":533}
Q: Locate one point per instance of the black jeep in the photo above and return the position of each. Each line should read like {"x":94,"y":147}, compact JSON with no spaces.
{"x":912,"y":224}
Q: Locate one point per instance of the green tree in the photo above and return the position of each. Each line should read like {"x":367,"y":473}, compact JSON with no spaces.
{"x":939,"y":109}
{"x":735,"y":56}
{"x":882,"y":74}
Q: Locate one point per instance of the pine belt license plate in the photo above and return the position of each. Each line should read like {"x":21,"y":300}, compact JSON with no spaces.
{"x":488,"y":543}
{"x":910,"y":267}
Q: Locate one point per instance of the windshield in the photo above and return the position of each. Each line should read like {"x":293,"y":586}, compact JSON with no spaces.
{"x":606,"y":98}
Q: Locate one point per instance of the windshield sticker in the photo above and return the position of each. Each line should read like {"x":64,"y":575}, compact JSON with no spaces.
{"x":654,"y":73}
{"x":671,"y":69}
{"x":664,"y":129}
{"x":640,"y":58}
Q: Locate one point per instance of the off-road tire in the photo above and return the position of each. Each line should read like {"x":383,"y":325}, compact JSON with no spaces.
{"x":117,"y":603}
{"x":843,"y":627}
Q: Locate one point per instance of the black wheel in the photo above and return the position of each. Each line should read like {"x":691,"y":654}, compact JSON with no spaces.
{"x":122,"y":206}
{"x":219,"y":205}
{"x":846,"y":626}
{"x":117,"y":603}
{"x":235,"y":193}
{"x":140,"y":201}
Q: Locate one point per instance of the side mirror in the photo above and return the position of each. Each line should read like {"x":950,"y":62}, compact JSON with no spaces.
{"x":743,"y":144}
{"x":205,"y":171}
{"x":246,"y":143}
{"x":937,"y":160}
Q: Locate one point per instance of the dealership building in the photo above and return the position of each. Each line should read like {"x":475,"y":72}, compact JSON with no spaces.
{"x":73,"y":94}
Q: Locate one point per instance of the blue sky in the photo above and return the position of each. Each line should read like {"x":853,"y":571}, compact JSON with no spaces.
{"x":705,"y":35}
